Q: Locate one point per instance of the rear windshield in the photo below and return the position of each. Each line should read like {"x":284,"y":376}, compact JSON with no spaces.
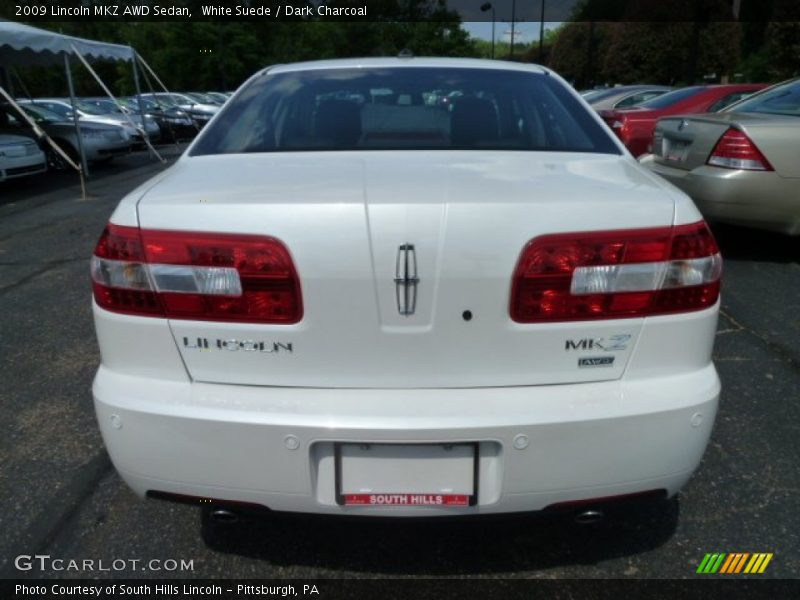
{"x":780,"y":100}
{"x":404,"y":109}
{"x":670,"y":98}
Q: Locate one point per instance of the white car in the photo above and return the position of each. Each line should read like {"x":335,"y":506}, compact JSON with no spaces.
{"x":20,"y":156}
{"x":353,"y":303}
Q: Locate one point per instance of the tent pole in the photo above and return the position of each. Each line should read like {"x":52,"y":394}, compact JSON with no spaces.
{"x":84,"y":167}
{"x":5,"y":79}
{"x":139,"y":96}
{"x":141,"y":129}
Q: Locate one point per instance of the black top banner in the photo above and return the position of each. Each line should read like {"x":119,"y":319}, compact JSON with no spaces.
{"x":552,"y":11}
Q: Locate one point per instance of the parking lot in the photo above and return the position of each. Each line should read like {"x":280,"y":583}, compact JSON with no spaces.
{"x":62,"y":497}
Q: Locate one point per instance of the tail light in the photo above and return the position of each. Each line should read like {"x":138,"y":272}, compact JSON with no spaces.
{"x":188,"y":275}
{"x":734,"y":150}
{"x":616,"y":274}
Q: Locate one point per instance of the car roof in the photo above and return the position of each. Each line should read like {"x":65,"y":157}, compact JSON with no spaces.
{"x":426,"y":62}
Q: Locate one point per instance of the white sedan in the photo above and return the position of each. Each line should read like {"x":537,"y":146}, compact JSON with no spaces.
{"x":345,"y":299}
{"x":20,"y":156}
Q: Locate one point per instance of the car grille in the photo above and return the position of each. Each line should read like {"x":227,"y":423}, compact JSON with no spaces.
{"x":31,"y":149}
{"x":112,"y":135}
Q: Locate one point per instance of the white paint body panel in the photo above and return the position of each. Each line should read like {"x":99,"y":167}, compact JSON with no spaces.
{"x":214,"y":423}
{"x":343,"y":216}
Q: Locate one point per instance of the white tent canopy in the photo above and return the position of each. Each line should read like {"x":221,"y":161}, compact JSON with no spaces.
{"x":25,"y":45}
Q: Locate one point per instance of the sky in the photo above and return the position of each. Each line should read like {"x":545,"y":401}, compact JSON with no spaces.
{"x":524,"y":32}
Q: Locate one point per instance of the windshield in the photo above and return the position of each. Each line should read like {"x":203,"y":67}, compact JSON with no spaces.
{"x":671,"y":98}
{"x":42,"y":115}
{"x":783,"y":99}
{"x":405,"y":108}
{"x":90,"y":108}
{"x":158,"y":101}
{"x":202,"y":98}
{"x":103,"y":106}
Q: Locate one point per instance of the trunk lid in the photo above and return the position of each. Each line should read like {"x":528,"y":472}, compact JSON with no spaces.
{"x":345,"y":218}
{"x":686,"y":142}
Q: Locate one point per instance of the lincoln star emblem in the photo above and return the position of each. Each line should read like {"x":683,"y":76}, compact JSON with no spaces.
{"x":683,"y":124}
{"x":406,"y":279}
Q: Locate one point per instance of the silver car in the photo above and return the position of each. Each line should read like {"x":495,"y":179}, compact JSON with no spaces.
{"x":101,"y":142}
{"x":91,"y":113}
{"x":624,"y":96}
{"x":104,"y":107}
{"x":741,"y":165}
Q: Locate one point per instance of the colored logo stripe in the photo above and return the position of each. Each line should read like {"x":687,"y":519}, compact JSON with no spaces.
{"x":734,"y":562}
{"x":758,"y":563}
{"x":711,"y":563}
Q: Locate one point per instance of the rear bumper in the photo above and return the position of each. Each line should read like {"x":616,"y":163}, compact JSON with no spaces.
{"x":11,"y":168}
{"x":761,"y":199}
{"x":229,"y":442}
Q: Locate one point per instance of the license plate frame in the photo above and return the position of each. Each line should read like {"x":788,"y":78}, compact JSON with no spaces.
{"x":674,"y":150}
{"x":344,"y":498}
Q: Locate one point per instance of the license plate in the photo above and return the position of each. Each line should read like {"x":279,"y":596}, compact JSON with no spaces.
{"x":674,"y":150}
{"x":409,"y":475}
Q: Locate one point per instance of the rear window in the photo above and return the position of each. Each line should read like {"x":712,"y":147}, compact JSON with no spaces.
{"x":405,"y":108}
{"x":780,"y":100}
{"x":671,"y":98}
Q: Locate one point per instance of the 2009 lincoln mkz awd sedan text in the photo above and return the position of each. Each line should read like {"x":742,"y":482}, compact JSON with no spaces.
{"x":406,"y":287}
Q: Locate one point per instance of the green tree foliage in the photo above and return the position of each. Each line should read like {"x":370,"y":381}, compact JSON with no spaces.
{"x":783,"y":49}
{"x":579,"y":50}
{"x":206,"y":55}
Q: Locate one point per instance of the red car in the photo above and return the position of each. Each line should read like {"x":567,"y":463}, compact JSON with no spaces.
{"x":635,"y":125}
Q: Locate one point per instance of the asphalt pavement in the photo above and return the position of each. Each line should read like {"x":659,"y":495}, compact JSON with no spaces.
{"x":60,"y":495}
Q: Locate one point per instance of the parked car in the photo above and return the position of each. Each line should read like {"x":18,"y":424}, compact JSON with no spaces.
{"x":19,"y":157}
{"x":351,"y":308}
{"x":202,"y":98}
{"x":101,"y":141}
{"x":220,"y":97}
{"x":86,"y":112}
{"x":174,"y":123}
{"x":109,"y":108}
{"x":635,"y":125}
{"x":741,"y":165}
{"x":624,"y":96}
{"x":201,"y":113}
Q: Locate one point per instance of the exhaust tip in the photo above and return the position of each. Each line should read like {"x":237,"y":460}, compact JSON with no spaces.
{"x":223,"y":515}
{"x":589,"y":517}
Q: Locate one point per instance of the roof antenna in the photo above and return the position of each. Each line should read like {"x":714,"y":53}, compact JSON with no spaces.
{"x":405,"y":53}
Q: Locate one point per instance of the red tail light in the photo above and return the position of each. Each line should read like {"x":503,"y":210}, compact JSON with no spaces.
{"x":616,"y":274}
{"x":203,"y":276}
{"x":735,"y":150}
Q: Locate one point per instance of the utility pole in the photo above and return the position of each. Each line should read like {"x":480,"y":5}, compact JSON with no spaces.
{"x":513,"y":23}
{"x":541,"y":35}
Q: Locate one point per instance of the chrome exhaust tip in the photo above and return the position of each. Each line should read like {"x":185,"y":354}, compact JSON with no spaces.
{"x":223,"y":515}
{"x":589,"y":517}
